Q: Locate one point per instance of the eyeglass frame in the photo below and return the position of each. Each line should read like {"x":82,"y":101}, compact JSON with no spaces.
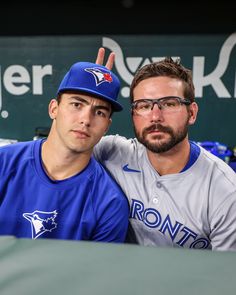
{"x":182,"y":101}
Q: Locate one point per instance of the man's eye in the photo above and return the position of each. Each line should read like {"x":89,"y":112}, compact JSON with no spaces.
{"x":76,"y":104}
{"x":169,"y":104}
{"x":143,"y":106}
{"x":101,"y":113}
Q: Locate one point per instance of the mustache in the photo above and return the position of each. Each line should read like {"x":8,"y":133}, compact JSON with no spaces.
{"x":158,"y":127}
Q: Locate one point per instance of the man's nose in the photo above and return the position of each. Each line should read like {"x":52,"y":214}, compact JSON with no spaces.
{"x":156,"y":113}
{"x":85,"y":116}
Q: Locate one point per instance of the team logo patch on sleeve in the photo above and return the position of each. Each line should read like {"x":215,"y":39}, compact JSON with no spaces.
{"x":41,"y":222}
{"x":99,"y":75}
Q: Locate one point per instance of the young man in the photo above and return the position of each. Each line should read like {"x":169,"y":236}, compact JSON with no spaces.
{"x":53,"y":188}
{"x":180,"y":195}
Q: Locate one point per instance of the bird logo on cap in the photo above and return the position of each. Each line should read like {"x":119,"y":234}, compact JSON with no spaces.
{"x":99,"y":75}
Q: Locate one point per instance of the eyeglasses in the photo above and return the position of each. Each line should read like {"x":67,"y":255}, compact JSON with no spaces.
{"x":168,"y":104}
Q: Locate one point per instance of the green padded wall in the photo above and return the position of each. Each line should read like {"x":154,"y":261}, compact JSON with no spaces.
{"x":36,"y":267}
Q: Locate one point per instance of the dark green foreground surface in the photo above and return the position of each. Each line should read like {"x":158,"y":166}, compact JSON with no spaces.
{"x":67,"y":267}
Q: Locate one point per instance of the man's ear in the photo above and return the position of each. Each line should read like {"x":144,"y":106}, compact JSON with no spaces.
{"x":193,"y":110}
{"x":53,"y":108}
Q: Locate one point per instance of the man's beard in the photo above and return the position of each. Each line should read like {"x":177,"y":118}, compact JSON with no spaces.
{"x":157,"y":146}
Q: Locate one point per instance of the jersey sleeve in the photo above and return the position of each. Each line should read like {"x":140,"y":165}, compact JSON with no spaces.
{"x":223,"y":223}
{"x":113,"y":219}
{"x":104,"y":148}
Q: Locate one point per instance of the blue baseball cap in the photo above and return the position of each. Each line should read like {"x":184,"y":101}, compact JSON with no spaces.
{"x":93,"y":79}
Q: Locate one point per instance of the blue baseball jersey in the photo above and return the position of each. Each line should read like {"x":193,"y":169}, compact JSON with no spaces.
{"x":87,"y":206}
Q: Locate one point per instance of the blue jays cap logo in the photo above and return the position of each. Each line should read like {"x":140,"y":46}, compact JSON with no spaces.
{"x":99,"y":75}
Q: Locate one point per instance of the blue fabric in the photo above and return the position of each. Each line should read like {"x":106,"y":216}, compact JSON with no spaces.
{"x":93,"y":79}
{"x":87,"y":206}
{"x":233,"y":165}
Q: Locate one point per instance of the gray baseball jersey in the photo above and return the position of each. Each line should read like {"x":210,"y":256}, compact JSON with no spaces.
{"x":192,"y":209}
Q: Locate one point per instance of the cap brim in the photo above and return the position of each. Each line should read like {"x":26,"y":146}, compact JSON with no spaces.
{"x":116,"y":107}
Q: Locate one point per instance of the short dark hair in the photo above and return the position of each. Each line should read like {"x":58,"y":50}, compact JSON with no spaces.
{"x":168,"y":68}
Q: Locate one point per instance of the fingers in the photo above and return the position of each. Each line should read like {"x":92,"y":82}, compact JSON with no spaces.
{"x":100,"y":58}
{"x":110,"y":60}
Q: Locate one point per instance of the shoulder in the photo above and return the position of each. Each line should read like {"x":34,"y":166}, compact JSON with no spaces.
{"x":217,"y":170}
{"x":112,"y":140}
{"x":17,"y":146}
{"x":103,"y":181}
{"x":106,"y":195}
{"x":13,"y":153}
{"x":100,"y":175}
{"x":112,"y":144}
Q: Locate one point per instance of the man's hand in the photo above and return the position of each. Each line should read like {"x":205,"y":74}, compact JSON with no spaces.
{"x":100,"y":58}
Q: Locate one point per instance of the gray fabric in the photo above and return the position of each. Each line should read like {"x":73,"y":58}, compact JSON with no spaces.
{"x":192,"y":209}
